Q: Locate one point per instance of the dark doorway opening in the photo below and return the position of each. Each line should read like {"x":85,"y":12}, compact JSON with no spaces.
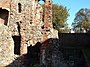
{"x":17,"y":42}
{"x":33,"y":54}
{"x":4,"y":15}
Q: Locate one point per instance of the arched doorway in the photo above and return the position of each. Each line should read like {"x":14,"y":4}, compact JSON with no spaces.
{"x":41,"y":1}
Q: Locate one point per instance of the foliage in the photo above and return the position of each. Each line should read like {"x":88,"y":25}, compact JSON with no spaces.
{"x":65,"y":30}
{"x":82,"y":20}
{"x":59,"y":17}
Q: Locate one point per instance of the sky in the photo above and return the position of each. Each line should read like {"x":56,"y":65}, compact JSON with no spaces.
{"x":74,"y":6}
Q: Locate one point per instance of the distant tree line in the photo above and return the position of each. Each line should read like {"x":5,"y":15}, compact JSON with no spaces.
{"x":81,"y":22}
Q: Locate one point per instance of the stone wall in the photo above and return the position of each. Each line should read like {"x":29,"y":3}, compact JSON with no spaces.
{"x":65,"y":51}
{"x":25,"y":20}
{"x":51,"y":55}
{"x":74,"y":39}
{"x":29,"y":21}
{"x":6,"y":46}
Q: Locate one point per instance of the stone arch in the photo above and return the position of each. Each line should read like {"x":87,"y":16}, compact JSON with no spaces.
{"x":41,"y":1}
{"x":49,"y":1}
{"x":4,"y":14}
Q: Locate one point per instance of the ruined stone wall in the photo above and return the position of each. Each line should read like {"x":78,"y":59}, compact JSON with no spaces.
{"x":16,"y":16}
{"x":28,"y":20}
{"x":6,"y":46}
{"x":75,"y":40}
{"x":25,"y":20}
{"x":49,"y":50}
{"x":51,"y":56}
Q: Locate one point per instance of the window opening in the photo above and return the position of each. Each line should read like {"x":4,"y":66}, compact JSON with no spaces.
{"x":19,"y":7}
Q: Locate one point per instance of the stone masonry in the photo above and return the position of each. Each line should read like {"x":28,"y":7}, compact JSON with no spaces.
{"x":25,"y":18}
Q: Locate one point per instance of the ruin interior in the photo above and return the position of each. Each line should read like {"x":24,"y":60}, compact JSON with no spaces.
{"x":33,"y":35}
{"x":27,"y":23}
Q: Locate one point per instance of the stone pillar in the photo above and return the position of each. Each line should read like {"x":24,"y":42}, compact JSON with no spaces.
{"x":23,"y":48}
{"x":47,"y":29}
{"x":47,"y":18}
{"x":6,"y":44}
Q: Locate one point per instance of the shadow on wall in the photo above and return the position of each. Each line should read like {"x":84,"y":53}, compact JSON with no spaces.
{"x":30,"y":59}
{"x":33,"y":54}
{"x":78,"y":40}
{"x":33,"y":57}
{"x":53,"y":56}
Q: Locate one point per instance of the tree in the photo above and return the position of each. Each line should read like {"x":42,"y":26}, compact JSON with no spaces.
{"x":82,"y":20}
{"x":59,"y":17}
